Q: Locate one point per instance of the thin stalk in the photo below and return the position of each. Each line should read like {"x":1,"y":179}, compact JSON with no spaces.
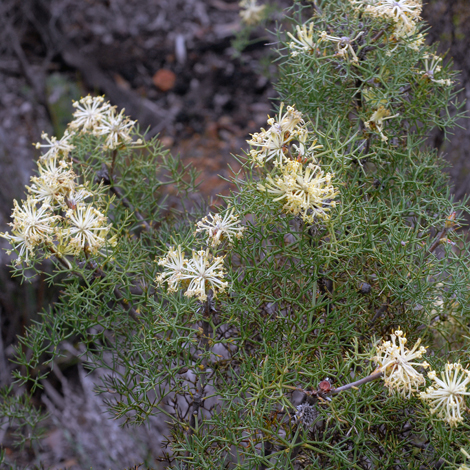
{"x":357,"y":383}
{"x":113,"y":162}
{"x":201,"y":385}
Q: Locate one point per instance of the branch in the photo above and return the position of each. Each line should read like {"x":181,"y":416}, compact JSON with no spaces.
{"x":100,"y":273}
{"x":358,"y":383}
{"x":108,"y":180}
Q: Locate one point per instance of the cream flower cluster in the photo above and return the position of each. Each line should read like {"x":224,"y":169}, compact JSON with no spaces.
{"x":219,"y":227}
{"x":251,"y":12}
{"x":400,"y":11}
{"x":446,"y":394}
{"x":375,"y":123}
{"x":33,"y":225}
{"x":86,"y":229}
{"x":405,"y":14}
{"x":203,"y":271}
{"x":305,"y":191}
{"x":343,"y":45}
{"x":431,"y":68}
{"x":397,"y":363}
{"x":90,"y":111}
{"x":94,"y":115}
{"x":304,"y":42}
{"x":304,"y":188}
{"x":199,"y":273}
{"x":273,"y":143}
{"x":56,"y":148}
{"x":55,"y":216}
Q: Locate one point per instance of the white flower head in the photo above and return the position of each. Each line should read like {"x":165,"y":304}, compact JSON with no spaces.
{"x":398,"y":10}
{"x":174,"y":263}
{"x":343,"y":45}
{"x":446,"y":395}
{"x":200,"y":273}
{"x":272,"y":143}
{"x":90,"y":112}
{"x":87,"y":228}
{"x":251,"y":13}
{"x":203,"y":273}
{"x":57,"y":148}
{"x":304,"y":42}
{"x":219,"y":227}
{"x":431,"y":68}
{"x":403,"y":13}
{"x":397,"y":363}
{"x":34,"y":224}
{"x":20,"y":244}
{"x":116,"y":128}
{"x":56,"y":181}
{"x":306,"y":191}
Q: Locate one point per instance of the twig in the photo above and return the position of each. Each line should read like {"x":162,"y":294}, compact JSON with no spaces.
{"x":378,"y":35}
{"x":358,"y":383}
{"x":98,"y":271}
{"x":379,"y":312}
{"x":449,"y":225}
{"x":104,"y":176}
{"x":334,"y":391}
{"x":113,"y":162}
{"x":267,"y":451}
{"x":125,"y":202}
{"x":199,"y":395}
{"x":119,"y":296}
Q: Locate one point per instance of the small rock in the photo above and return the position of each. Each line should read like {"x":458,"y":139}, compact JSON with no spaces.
{"x":365,"y":288}
{"x":164,"y":79}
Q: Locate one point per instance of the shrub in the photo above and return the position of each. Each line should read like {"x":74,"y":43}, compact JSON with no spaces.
{"x":319,"y":317}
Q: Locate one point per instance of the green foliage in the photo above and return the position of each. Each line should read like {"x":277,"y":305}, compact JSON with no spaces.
{"x":21,"y":417}
{"x":307,"y":301}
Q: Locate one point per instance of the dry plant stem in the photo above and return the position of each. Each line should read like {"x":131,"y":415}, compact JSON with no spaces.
{"x":113,"y":162}
{"x":130,"y":310}
{"x":343,"y":388}
{"x":108,"y":179}
{"x":204,"y":343}
{"x":378,"y":35}
{"x":439,"y":236}
{"x":358,"y":383}
{"x":101,"y":274}
{"x":267,"y":451}
{"x":379,"y":312}
{"x":125,"y":202}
